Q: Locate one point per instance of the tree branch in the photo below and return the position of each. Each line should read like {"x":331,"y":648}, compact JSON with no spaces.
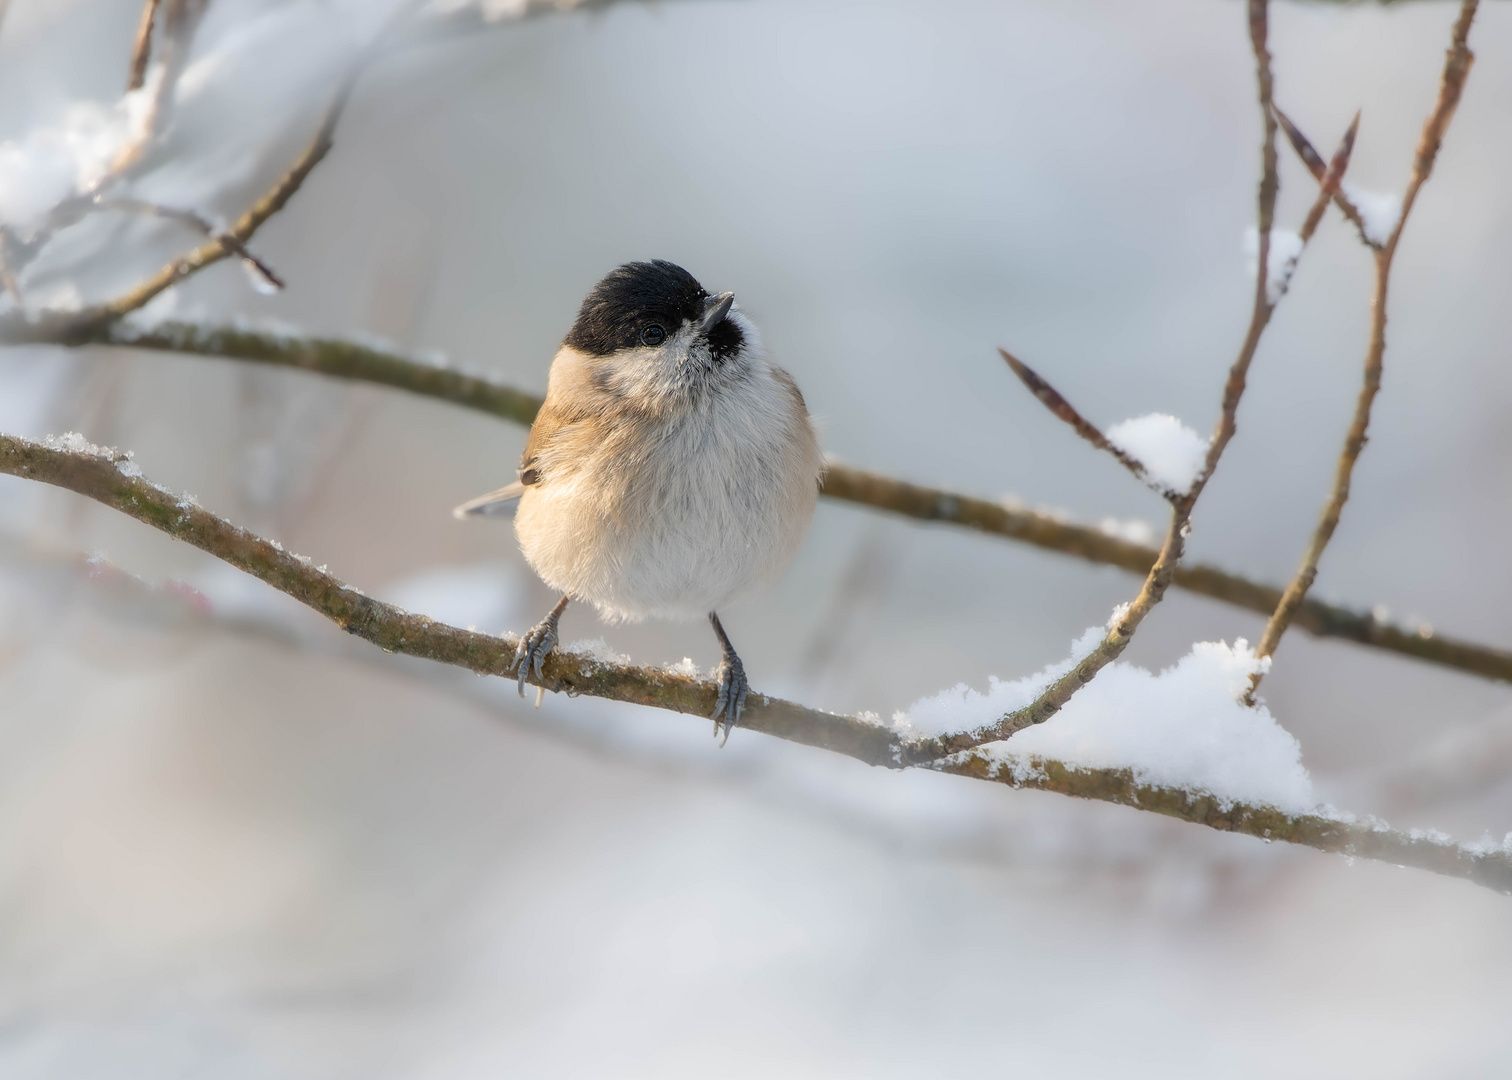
{"x":114,"y":480}
{"x":141,"y":51}
{"x":1451,"y":86}
{"x":368,"y":363}
{"x":1163,"y":572}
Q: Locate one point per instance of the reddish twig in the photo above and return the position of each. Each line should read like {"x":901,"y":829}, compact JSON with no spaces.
{"x":1163,"y":572}
{"x":1052,"y":400}
{"x":1451,"y":87}
{"x":1320,"y":170}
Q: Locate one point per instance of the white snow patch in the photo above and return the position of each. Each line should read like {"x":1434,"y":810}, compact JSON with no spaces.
{"x":1280,"y":261}
{"x":1379,"y":210}
{"x":685,"y":667}
{"x":1184,"y":727}
{"x":1134,"y":531}
{"x":1172,"y":453}
{"x":69,"y":157}
{"x":497,"y":10}
{"x":597,"y":649}
{"x":961,"y":708}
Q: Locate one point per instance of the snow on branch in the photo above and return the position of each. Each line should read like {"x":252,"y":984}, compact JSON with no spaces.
{"x":113,"y":479}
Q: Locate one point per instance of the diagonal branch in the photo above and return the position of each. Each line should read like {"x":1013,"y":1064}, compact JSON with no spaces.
{"x":1063,"y":410}
{"x":114,"y":480}
{"x":1451,"y":86}
{"x":141,"y":51}
{"x":1126,"y":621}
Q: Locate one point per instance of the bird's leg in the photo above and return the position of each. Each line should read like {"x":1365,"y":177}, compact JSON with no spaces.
{"x":535,"y":645}
{"x":730,"y":675}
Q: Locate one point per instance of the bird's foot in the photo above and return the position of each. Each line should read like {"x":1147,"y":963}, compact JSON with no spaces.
{"x":733,"y":688}
{"x":537,"y":645}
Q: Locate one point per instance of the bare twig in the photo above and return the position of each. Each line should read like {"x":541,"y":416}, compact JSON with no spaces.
{"x":1063,"y":410}
{"x":141,"y":51}
{"x":367,"y":363}
{"x":1320,"y":169}
{"x":181,"y":19}
{"x":1328,"y":189}
{"x":1451,"y":86}
{"x":114,"y":480}
{"x":200,"y":224}
{"x":1163,"y":572}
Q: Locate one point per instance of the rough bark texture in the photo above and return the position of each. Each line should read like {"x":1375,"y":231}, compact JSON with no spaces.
{"x":112,"y":479}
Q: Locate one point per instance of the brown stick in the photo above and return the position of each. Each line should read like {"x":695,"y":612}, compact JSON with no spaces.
{"x":1451,"y":86}
{"x":114,"y":480}
{"x":141,"y":51}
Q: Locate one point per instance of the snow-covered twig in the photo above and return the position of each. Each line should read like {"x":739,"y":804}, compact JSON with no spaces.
{"x":370,"y":362}
{"x":1451,"y":86}
{"x":1063,"y":410}
{"x":113,"y":479}
{"x":1162,"y":574}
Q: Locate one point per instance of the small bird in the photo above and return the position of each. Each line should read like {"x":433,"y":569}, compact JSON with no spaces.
{"x":672,"y":467}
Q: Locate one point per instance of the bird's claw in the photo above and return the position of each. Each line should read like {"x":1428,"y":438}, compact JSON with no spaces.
{"x":731,"y":699}
{"x":534,"y":648}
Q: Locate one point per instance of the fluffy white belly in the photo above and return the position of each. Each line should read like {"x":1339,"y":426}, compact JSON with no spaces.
{"x":674,"y":518}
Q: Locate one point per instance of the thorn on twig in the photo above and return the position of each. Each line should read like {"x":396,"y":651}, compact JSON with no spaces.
{"x":1330,"y":175}
{"x":1052,"y":400}
{"x":1310,"y":157}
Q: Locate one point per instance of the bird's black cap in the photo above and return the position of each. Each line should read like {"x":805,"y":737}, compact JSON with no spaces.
{"x":641,"y":294}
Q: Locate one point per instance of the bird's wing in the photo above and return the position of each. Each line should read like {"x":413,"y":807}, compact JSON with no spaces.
{"x":499,"y":503}
{"x":549,"y":424}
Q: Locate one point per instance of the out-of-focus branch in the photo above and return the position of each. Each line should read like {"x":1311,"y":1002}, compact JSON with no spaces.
{"x":141,"y":51}
{"x":1163,"y":573}
{"x":180,"y":22}
{"x":369,"y":363}
{"x":200,"y":224}
{"x":1451,"y":86}
{"x":114,"y":480}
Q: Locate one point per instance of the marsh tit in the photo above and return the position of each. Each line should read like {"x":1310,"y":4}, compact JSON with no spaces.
{"x":672,"y":467}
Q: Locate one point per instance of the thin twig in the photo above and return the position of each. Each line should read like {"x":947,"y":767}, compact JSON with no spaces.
{"x":141,"y":51}
{"x":1063,"y":410}
{"x":1163,"y":572}
{"x":366,"y":363}
{"x":200,"y":224}
{"x":1328,"y":187}
{"x":114,"y":480}
{"x":1451,"y":86}
{"x":1316,"y":165}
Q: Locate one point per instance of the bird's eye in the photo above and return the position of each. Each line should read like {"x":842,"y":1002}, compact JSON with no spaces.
{"x":653,"y":335}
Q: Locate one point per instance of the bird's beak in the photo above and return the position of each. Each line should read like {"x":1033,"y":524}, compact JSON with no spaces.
{"x":715,"y":310}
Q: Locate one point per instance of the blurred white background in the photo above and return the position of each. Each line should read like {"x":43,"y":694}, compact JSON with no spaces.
{"x":235,"y":845}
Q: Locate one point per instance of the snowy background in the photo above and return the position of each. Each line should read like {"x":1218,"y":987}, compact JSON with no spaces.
{"x":233,"y":844}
